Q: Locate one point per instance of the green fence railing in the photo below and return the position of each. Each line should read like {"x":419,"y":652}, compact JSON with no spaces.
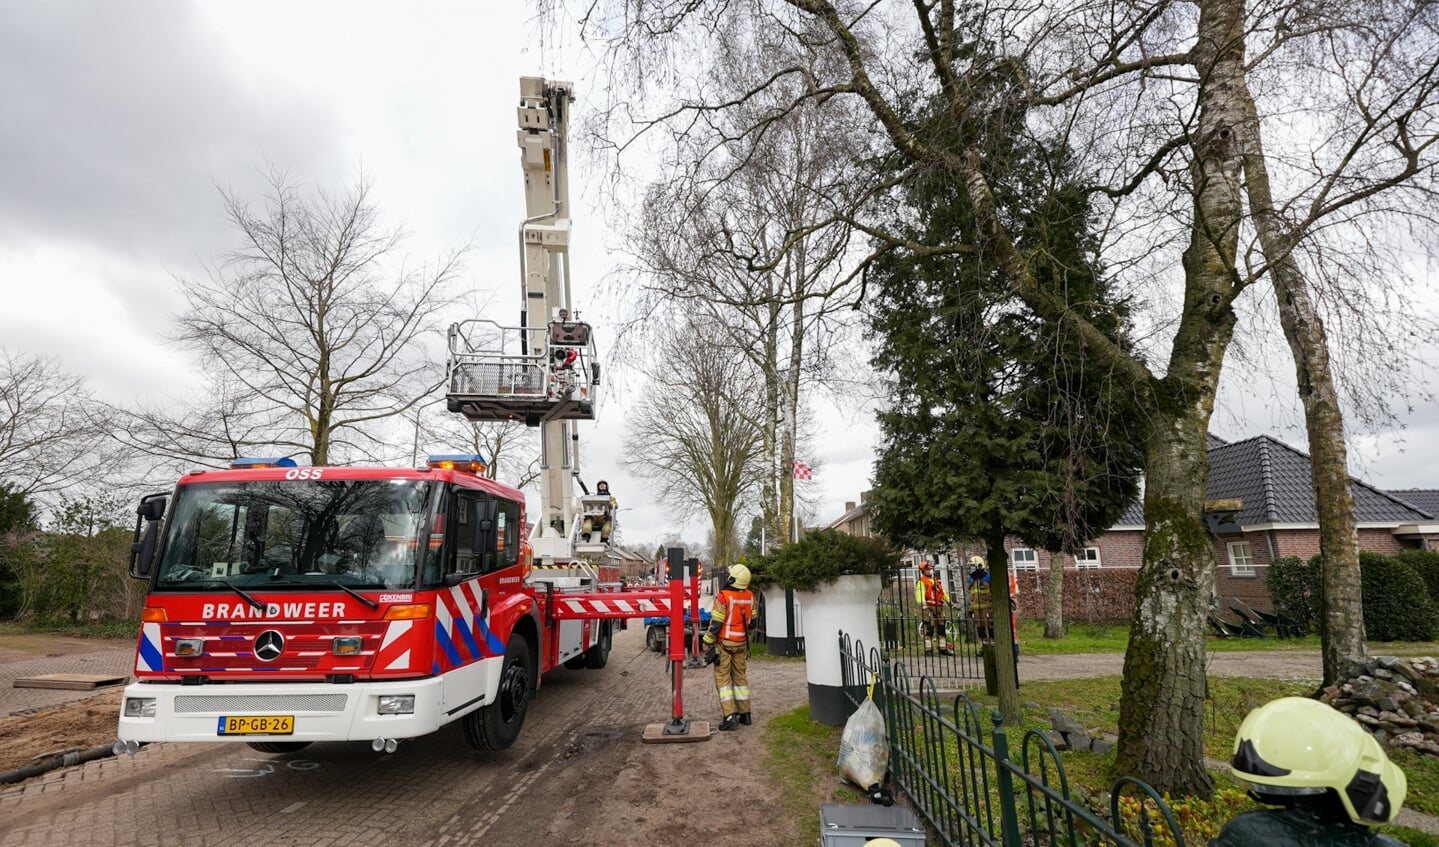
{"x":968,"y":787}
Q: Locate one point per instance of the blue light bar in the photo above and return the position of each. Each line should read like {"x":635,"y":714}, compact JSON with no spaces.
{"x":277,"y":462}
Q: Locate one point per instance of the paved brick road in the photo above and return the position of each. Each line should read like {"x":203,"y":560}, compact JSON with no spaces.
{"x":435,"y":790}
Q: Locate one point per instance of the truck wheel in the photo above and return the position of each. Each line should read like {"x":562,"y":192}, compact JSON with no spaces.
{"x":496,"y":726}
{"x":655,"y":639}
{"x":279,"y":746}
{"x":599,"y":655}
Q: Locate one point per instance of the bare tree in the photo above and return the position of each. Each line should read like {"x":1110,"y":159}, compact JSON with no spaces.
{"x":51,"y":429}
{"x":692,"y":433}
{"x":314,"y":329}
{"x":763,"y":253}
{"x":510,"y":448}
{"x":1147,"y":92}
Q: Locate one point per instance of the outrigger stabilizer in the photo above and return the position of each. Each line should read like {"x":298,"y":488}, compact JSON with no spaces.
{"x":638,"y":603}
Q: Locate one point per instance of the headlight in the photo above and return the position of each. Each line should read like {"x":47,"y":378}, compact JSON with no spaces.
{"x":139,"y":707}
{"x":346,"y":645}
{"x":397,"y":704}
{"x":189,"y":646}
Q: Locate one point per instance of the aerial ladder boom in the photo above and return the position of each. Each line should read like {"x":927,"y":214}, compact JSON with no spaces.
{"x":545,"y":371}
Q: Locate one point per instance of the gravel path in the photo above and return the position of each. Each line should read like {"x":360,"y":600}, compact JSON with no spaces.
{"x":1273,"y":664}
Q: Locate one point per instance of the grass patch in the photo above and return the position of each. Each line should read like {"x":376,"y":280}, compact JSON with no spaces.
{"x":1114,"y":638}
{"x":1079,"y":638}
{"x":800,"y":755}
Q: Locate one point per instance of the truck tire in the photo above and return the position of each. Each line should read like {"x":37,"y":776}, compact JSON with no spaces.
{"x":599,"y":655}
{"x":279,"y":746}
{"x":497,"y":725}
{"x":655,"y":638}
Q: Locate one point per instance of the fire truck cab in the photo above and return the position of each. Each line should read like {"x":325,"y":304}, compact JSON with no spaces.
{"x":290,"y":605}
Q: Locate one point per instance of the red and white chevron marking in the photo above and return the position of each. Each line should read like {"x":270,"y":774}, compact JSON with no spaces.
{"x":586,"y":608}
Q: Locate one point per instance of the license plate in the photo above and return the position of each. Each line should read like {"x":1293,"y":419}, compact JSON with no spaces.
{"x":257,"y":725}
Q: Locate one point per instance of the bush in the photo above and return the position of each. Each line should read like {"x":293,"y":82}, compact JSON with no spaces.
{"x":1294,"y":587}
{"x":1396,"y":602}
{"x":822,"y":557}
{"x":1426,"y":564}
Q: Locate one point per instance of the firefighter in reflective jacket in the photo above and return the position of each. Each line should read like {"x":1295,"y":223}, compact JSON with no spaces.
{"x":930,"y":596}
{"x":728,"y":640}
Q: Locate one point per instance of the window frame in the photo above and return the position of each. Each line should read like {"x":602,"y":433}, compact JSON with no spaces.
{"x":1089,"y":563}
{"x":1235,"y":568}
{"x":1031,"y":565}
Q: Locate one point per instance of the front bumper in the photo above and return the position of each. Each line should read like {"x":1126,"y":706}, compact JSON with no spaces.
{"x":322,"y":711}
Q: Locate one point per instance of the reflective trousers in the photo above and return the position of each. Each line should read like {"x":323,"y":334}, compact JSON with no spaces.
{"x":730,"y":676}
{"x":933,"y":624}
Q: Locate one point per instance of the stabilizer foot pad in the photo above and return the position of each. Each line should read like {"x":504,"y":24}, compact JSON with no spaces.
{"x":695,"y":731}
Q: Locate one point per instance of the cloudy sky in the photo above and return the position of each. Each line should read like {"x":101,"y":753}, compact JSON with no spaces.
{"x":121,"y":121}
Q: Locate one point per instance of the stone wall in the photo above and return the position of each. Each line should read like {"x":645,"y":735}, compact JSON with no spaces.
{"x":1396,"y":699}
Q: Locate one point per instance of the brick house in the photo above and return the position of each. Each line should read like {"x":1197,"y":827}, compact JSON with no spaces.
{"x":1275,"y":518}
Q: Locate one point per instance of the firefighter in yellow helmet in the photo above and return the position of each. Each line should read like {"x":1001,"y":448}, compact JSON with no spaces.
{"x":728,"y":641}
{"x":981,"y":603}
{"x":1327,"y":774}
{"x":930,"y":596}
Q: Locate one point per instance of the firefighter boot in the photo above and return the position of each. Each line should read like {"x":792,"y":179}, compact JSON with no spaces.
{"x":947,"y":650}
{"x":744,"y":718}
{"x":730,"y":722}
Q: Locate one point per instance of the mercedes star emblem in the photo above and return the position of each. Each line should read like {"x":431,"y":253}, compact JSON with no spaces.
{"x":269,"y":645}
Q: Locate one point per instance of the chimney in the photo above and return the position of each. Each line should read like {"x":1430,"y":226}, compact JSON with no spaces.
{"x":849,"y":506}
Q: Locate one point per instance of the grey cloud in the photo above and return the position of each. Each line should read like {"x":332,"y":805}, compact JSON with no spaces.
{"x":120,"y":119}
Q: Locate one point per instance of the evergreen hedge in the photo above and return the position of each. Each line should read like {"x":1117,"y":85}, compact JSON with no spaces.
{"x":1426,"y":564}
{"x":1295,"y":589}
{"x":1397,"y":606}
{"x":822,"y":557}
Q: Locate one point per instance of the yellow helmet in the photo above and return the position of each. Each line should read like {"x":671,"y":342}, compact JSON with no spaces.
{"x":976,"y":561}
{"x":739,"y":576}
{"x":1294,"y":747}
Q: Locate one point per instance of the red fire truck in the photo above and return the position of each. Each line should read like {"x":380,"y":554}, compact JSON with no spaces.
{"x":296,"y":604}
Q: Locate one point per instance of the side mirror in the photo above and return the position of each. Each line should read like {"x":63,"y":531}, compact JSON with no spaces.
{"x":147,"y":534}
{"x":152,"y":508}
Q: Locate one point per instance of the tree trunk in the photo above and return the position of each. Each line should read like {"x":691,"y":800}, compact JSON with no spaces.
{"x":1161,"y":708}
{"x":1342,"y":615}
{"x":1054,"y":597}
{"x":1002,"y":608}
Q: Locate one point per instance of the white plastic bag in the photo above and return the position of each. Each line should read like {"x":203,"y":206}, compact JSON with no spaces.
{"x":863,"y":748}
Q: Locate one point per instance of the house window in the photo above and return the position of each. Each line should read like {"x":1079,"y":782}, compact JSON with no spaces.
{"x":1241,"y":560}
{"x":1024,"y":559}
{"x":1087,"y":559}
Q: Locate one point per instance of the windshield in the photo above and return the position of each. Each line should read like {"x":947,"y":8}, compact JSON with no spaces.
{"x":302,"y":533}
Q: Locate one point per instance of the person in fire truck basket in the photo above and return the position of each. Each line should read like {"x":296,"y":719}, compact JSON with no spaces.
{"x":728,"y":641}
{"x":931,"y":597}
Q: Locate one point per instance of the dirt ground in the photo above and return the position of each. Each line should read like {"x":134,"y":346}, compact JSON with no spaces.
{"x":79,"y":725}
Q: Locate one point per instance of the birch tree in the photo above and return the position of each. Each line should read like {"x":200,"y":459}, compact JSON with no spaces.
{"x":760,"y":253}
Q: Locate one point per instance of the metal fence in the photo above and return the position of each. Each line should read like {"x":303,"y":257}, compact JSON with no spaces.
{"x":901,"y":633}
{"x":901,"y":628}
{"x":965,"y":782}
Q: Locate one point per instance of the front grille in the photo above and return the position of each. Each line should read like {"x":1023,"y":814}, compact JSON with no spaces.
{"x":259,"y":703}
